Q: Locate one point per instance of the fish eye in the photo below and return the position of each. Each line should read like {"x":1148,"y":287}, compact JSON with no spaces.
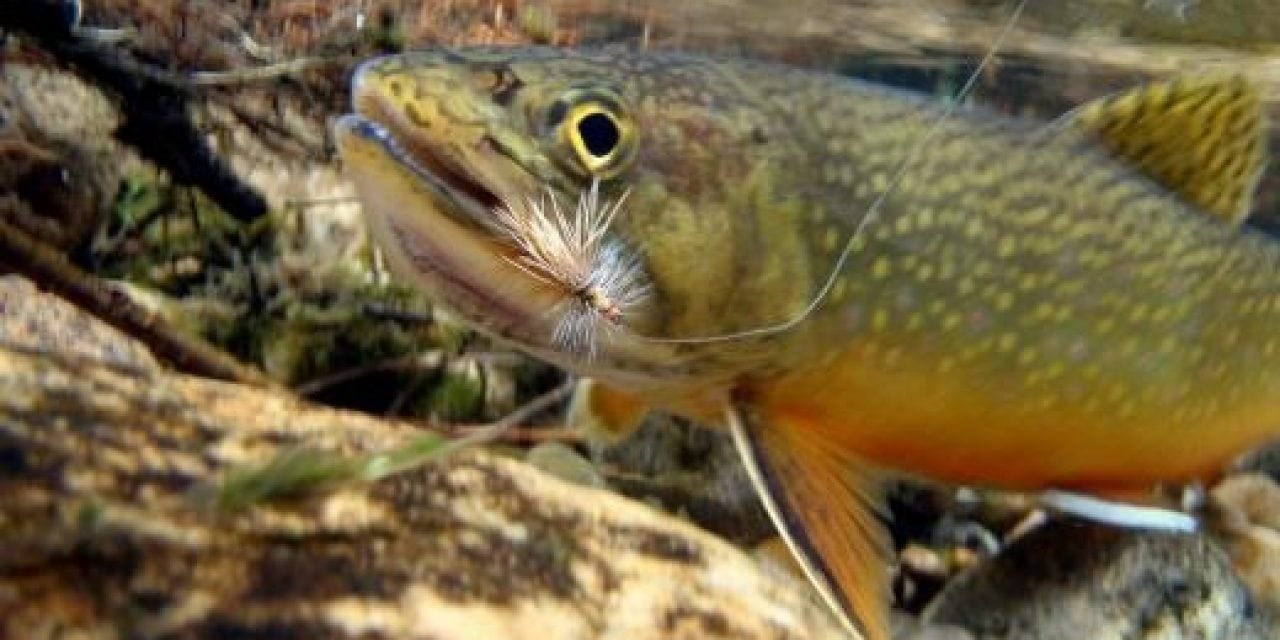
{"x":598,"y":133}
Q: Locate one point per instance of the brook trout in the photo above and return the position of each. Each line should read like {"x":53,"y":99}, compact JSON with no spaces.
{"x":1025,"y":306}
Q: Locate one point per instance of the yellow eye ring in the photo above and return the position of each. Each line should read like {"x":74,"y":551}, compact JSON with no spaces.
{"x":601,"y":138}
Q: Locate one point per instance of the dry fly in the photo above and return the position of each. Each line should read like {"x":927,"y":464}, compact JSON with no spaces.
{"x":601,"y":277}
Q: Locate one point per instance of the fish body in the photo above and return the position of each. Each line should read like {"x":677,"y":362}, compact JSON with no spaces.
{"x":998,"y":302}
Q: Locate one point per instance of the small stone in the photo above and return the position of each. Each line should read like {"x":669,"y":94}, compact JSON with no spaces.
{"x":1066,"y":581}
{"x":923,"y":561}
{"x":1248,"y":521}
{"x":563,"y":462}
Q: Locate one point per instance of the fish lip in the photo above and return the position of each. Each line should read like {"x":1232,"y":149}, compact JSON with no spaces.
{"x":475,"y":200}
{"x":505,"y":317}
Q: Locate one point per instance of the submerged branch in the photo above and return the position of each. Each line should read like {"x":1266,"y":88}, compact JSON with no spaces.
{"x":53,"y":271}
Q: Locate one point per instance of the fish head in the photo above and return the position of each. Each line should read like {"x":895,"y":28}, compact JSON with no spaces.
{"x":602,"y":211}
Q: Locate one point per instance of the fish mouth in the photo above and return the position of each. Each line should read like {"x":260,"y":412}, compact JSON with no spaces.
{"x":435,"y":225}
{"x":454,"y":184}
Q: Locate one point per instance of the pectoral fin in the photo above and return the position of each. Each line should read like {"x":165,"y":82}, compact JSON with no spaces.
{"x":827,"y":507}
{"x":603,"y":413}
{"x":1118,"y":514}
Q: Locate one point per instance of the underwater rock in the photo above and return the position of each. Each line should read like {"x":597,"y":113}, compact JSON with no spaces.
{"x":1067,"y":580}
{"x":106,"y":530}
{"x":1248,"y":522}
{"x":59,"y":168}
{"x":44,"y":322}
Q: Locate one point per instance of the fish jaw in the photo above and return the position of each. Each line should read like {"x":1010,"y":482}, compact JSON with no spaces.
{"x":428,"y":232}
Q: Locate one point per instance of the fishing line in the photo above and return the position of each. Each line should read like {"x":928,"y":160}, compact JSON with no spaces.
{"x":872,"y":211}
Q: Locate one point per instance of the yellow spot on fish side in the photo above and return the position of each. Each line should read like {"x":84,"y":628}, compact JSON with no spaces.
{"x":830,"y":238}
{"x":840,"y":290}
{"x":1007,"y":342}
{"x":1026,"y":356}
{"x":880,"y":269}
{"x":1006,"y":246}
{"x":924,"y":219}
{"x":880,"y":320}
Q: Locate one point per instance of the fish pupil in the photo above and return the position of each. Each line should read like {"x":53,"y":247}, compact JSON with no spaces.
{"x":599,"y":134}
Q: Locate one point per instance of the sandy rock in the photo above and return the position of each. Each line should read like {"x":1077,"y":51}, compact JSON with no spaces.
{"x":103,"y":533}
{"x":1067,"y":581}
{"x":1248,"y":508}
{"x":40,"y":321}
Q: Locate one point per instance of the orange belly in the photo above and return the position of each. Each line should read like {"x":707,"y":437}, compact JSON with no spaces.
{"x":919,"y":421}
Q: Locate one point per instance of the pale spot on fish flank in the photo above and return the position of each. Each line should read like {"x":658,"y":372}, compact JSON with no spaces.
{"x":840,"y":290}
{"x":1006,"y":246}
{"x":924,"y":273}
{"x":830,"y":239}
{"x":1078,"y":350}
{"x":1138,"y":313}
{"x":1026,"y":356}
{"x":1004,"y":301}
{"x":974,"y":228}
{"x":881,"y":268}
{"x":924,"y":219}
{"x":1006,"y":342}
{"x":947,"y":269}
{"x":880,"y":319}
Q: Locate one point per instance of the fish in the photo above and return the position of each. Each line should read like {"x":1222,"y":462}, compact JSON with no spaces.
{"x":1072,"y":306}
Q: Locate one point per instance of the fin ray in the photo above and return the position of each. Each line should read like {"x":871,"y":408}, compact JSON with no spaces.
{"x":826,"y":506}
{"x":604,"y":413}
{"x":1202,"y":138}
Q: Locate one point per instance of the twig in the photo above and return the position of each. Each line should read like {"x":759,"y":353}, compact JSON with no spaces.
{"x":428,"y":360}
{"x":526,"y":435}
{"x":51,"y":270}
{"x":263,"y":73}
{"x":499,"y":429}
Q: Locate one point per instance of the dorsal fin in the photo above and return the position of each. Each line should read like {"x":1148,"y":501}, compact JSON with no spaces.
{"x":1203,"y":138}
